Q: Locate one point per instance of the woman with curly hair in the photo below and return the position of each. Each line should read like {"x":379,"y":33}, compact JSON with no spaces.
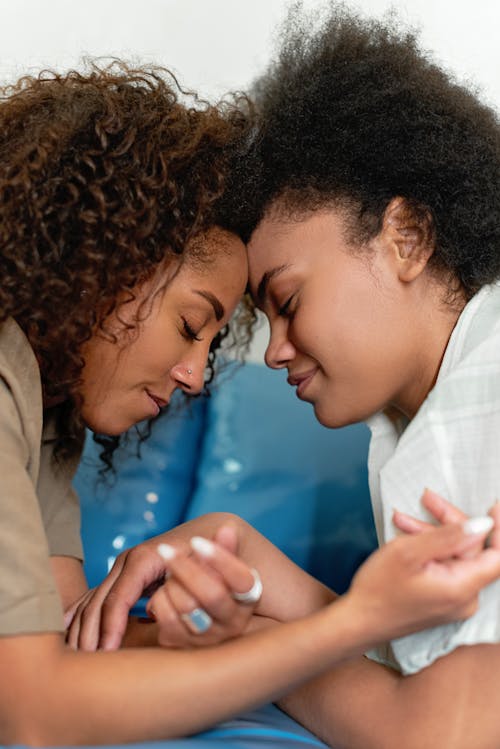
{"x":370,"y":198}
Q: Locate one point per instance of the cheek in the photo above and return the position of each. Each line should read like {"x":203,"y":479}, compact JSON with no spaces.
{"x":101,"y":371}
{"x":315,"y":328}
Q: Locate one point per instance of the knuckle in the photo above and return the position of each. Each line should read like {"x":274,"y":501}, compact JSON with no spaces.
{"x":135,"y":554}
{"x":122,"y":557}
{"x":222,"y":517}
{"x":216,"y":596}
{"x":403,"y":551}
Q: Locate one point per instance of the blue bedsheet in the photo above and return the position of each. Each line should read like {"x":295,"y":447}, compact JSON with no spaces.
{"x":266,"y":727}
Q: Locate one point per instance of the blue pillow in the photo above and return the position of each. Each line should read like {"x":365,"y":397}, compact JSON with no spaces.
{"x":148,"y":494}
{"x":265,"y":457}
{"x":253,"y":449}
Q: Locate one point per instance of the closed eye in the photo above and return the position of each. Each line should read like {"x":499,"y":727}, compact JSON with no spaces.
{"x":284,"y":310}
{"x":188,"y":331}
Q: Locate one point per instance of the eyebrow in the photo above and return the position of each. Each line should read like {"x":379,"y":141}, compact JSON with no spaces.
{"x":218,"y":307}
{"x":266,"y":278}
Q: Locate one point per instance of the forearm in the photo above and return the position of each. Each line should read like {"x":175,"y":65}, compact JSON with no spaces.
{"x":363,"y":705}
{"x":289,"y":592}
{"x":133,"y":695}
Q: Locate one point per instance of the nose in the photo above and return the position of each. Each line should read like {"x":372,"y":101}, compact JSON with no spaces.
{"x":189,"y":374}
{"x":280,"y":350}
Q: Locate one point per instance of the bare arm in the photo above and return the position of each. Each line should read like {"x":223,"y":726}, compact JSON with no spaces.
{"x":451,"y":704}
{"x":149,"y":693}
{"x":362,"y":705}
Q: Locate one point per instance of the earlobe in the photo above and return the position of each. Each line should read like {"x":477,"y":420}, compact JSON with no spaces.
{"x":409,"y":230}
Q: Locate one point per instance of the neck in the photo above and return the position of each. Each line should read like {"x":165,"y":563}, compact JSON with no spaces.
{"x":434,"y":331}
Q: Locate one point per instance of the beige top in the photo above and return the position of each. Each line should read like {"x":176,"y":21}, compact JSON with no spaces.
{"x":39,"y":512}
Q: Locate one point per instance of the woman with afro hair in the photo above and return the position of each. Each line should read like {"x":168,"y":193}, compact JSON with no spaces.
{"x":374,"y":251}
{"x":370,"y":201}
{"x":118,"y":275}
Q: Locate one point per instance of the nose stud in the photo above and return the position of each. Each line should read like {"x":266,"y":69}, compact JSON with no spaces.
{"x":189,"y":371}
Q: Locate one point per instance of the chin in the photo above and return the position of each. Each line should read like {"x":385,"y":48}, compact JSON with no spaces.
{"x":108,"y":427}
{"x":333,"y":420}
{"x":108,"y":431}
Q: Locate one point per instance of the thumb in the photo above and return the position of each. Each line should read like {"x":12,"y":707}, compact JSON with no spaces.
{"x":227,"y":537}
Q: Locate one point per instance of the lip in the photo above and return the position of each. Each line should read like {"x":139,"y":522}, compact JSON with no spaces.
{"x":302,"y":380}
{"x":157,"y":402}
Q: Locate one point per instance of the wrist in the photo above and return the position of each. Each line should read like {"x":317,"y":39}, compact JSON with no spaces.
{"x":341,"y":631}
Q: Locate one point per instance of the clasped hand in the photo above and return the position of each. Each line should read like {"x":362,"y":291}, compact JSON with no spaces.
{"x":204,"y":582}
{"x":430,"y":576}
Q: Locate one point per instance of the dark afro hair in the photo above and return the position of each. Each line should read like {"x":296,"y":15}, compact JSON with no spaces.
{"x":355,"y":111}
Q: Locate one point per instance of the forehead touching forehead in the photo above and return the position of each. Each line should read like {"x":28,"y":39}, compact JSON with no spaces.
{"x":211,"y":247}
{"x":280,"y":240}
{"x":218,"y":258}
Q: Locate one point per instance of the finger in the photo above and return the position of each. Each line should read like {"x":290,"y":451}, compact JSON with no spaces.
{"x":141,"y":567}
{"x":171,"y":630}
{"x":210,"y":590}
{"x":71,"y":611}
{"x":441,"y":509}
{"x":474,"y":574}
{"x":227,"y":537}
{"x":90,"y":621}
{"x":234,"y":571}
{"x":182,"y":601}
{"x":409,"y":524}
{"x":487,"y":568}
{"x":73,"y":631}
{"x":442,"y":543}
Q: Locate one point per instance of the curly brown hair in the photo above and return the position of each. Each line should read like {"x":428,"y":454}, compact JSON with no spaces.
{"x":104,"y":175}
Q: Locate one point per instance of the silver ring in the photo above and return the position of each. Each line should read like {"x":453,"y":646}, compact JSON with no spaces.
{"x":253,"y":595}
{"x":198,"y":621}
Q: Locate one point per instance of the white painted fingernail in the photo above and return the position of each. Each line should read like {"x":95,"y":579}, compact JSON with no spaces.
{"x":166,"y":551}
{"x":477,"y":526}
{"x":202,"y":546}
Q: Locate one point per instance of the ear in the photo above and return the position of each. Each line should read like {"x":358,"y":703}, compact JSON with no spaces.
{"x":408,"y":232}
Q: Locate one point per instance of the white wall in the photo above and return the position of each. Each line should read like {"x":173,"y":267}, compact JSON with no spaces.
{"x":217,"y":45}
